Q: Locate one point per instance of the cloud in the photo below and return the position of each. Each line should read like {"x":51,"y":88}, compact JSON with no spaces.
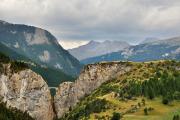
{"x":74,"y":20}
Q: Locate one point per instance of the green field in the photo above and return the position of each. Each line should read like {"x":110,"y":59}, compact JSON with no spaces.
{"x":160,"y":112}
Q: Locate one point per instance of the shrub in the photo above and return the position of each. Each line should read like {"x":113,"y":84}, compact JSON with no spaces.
{"x":116,"y":116}
{"x":150,"y":109}
{"x":18,"y":66}
{"x":143,"y":101}
{"x":176,"y":95}
{"x":176,"y":117}
{"x":95,"y":106}
{"x":165,"y":101}
{"x":146,"y":111}
{"x":167,"y":98}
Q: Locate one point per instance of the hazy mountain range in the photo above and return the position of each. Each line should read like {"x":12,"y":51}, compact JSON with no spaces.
{"x":147,"y":51}
{"x":28,"y":43}
{"x":42,"y":52}
{"x":149,"y":39}
{"x":94,"y":48}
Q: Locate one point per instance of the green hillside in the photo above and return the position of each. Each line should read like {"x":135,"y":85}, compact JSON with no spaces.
{"x":52,"y":76}
{"x":39,"y":45}
{"x":150,"y":91}
{"x":40,"y":50}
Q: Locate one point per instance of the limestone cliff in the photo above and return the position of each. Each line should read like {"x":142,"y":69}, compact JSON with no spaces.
{"x":93,"y":75}
{"x":26,"y":91}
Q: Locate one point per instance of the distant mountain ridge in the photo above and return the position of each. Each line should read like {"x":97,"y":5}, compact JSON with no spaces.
{"x":38,"y":46}
{"x":94,"y":48}
{"x":149,"y":39}
{"x":155,"y":50}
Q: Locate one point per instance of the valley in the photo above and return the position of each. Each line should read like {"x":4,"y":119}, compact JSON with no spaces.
{"x":108,"y":80}
{"x":127,"y":90}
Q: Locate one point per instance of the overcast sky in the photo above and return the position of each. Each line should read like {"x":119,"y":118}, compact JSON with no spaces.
{"x":85,"y":20}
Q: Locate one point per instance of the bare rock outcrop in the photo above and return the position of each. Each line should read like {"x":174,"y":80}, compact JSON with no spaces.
{"x":93,"y":75}
{"x":26,"y":91}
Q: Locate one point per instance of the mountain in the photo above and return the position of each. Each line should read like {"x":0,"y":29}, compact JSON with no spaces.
{"x":32,"y":44}
{"x":131,"y":90}
{"x":149,"y":39}
{"x":12,"y":54}
{"x":52,"y":76}
{"x":94,"y":48}
{"x":160,"y":49}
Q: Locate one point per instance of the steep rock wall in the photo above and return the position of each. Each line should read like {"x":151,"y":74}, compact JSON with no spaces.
{"x":92,"y":76}
{"x":26,"y":91}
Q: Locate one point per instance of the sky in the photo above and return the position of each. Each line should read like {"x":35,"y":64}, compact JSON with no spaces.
{"x":75,"y":22}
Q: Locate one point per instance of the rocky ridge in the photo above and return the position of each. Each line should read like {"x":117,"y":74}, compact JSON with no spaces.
{"x":27,"y":90}
{"x":93,"y":75}
{"x":168,"y":49}
{"x":94,"y":48}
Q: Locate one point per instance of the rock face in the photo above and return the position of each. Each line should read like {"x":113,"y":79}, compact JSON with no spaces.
{"x":93,"y":75}
{"x":26,"y":91}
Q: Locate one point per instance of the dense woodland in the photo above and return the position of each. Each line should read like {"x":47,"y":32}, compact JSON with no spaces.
{"x":162,"y":84}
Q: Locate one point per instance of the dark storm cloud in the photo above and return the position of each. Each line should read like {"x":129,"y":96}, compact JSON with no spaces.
{"x":128,"y":20}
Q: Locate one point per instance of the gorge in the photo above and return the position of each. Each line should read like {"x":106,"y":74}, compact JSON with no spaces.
{"x":27,"y":91}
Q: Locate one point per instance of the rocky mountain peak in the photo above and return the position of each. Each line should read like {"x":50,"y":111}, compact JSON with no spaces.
{"x":92,"y":42}
{"x":94,"y":48}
